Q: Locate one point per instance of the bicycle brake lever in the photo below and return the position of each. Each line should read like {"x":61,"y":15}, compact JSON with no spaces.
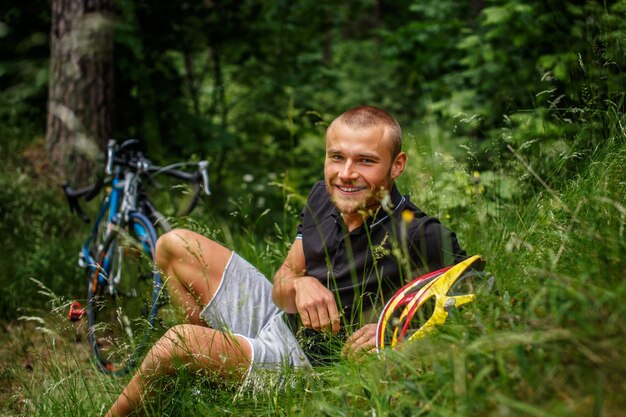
{"x":203,"y":167}
{"x":80,"y":213}
{"x":74,"y":205}
{"x":110,"y":156}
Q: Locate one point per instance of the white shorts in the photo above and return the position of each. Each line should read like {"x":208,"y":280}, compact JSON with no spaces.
{"x":243,"y":306}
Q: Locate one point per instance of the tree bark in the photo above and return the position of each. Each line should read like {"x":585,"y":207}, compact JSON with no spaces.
{"x":478,"y":6}
{"x":80,"y":95}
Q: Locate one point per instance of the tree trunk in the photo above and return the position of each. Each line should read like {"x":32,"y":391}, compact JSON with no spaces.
{"x":80,"y":96}
{"x":478,"y":6}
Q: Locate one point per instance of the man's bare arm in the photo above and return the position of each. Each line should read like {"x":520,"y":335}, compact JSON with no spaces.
{"x":295,"y":292}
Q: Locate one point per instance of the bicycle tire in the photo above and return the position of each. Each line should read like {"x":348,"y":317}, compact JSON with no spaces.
{"x":123,"y":293}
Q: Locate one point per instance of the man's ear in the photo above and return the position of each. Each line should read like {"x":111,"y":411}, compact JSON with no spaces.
{"x":398,"y":164}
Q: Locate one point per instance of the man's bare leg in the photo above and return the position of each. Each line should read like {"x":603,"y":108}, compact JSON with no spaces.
{"x":200,"y":349}
{"x":193,"y":266}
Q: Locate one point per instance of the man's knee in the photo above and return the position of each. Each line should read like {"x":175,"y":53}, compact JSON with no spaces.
{"x":199,"y":349}
{"x":180,"y":344}
{"x":169,"y":243}
{"x":166,"y":353}
{"x":193,"y":260}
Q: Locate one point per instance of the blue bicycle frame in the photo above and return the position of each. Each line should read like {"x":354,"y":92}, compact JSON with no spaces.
{"x":112,"y":204}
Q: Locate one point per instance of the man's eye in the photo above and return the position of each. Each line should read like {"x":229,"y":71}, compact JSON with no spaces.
{"x":367,"y":161}
{"x":336,"y":157}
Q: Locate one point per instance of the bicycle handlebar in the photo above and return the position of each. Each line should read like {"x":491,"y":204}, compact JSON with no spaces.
{"x":200,"y":175}
{"x":141,"y":164}
{"x":88,"y":193}
{"x":146,"y":166}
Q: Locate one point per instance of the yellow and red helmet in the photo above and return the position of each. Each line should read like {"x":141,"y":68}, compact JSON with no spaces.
{"x":425,"y":302}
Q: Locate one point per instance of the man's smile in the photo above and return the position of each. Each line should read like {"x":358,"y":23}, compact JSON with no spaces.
{"x":350,"y":189}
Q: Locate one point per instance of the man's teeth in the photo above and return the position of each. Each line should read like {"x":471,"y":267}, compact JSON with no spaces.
{"x":350,"y":189}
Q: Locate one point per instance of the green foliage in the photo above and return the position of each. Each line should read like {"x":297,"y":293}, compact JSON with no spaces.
{"x":531,"y":56}
{"x":24,"y":49}
{"x":35,"y":231}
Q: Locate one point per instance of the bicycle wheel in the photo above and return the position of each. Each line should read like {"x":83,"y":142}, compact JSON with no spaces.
{"x":123,"y":291}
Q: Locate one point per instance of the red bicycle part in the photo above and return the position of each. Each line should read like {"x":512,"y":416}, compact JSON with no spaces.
{"x":76,"y":311}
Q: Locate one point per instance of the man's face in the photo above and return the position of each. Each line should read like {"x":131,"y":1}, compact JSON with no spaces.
{"x":358,"y":169}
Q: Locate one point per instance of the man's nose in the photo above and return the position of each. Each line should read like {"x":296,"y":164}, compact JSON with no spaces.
{"x":348,"y":172}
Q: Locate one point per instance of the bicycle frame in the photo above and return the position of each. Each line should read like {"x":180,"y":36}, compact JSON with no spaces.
{"x":120,"y":202}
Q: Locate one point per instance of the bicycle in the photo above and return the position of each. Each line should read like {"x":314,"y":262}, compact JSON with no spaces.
{"x":124,"y":287}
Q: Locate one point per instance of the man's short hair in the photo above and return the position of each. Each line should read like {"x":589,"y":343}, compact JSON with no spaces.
{"x":365,"y":116}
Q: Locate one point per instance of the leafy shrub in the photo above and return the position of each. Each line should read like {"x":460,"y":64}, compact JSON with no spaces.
{"x":37,"y":234}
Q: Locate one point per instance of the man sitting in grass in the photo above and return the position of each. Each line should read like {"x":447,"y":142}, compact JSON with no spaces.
{"x":358,"y":241}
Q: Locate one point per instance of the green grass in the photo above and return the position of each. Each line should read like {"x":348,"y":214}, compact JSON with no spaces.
{"x":549,"y":341}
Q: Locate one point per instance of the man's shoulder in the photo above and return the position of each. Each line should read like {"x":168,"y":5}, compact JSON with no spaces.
{"x":418,"y":218}
{"x":318,"y":196}
{"x":422,"y":221}
{"x":319,"y":188}
{"x":423,"y":225}
{"x":427,"y":234}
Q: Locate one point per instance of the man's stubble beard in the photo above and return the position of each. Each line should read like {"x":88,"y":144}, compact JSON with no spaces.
{"x":372,"y":200}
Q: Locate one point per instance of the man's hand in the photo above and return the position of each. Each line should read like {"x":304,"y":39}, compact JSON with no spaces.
{"x":316,"y":305}
{"x":296,"y":292}
{"x":361,"y":341}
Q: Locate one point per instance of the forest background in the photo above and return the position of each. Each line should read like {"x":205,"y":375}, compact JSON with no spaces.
{"x":513,"y":117}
